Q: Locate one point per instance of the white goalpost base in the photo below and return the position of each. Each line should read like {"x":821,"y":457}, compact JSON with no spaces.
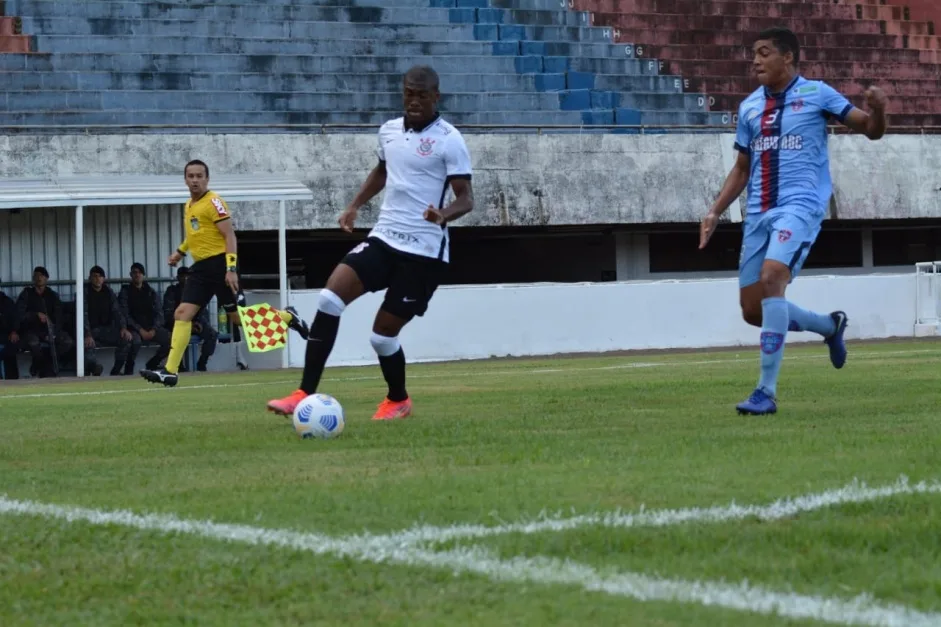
{"x":927,"y":298}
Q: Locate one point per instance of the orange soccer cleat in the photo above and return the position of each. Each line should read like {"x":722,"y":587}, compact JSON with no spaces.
{"x":390,"y":410}
{"x":285,"y":406}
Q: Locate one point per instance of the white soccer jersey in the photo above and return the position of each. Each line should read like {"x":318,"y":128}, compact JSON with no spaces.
{"x":419,"y":168}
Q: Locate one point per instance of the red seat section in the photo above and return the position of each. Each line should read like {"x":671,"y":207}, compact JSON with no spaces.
{"x":11,"y":37}
{"x":851,"y":44}
{"x":918,"y":10}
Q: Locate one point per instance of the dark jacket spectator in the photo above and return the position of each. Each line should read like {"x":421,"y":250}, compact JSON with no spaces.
{"x":104,"y":324}
{"x":40,"y":313}
{"x":9,"y":336}
{"x":141,"y":306}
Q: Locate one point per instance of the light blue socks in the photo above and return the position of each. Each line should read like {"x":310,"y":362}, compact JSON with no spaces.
{"x":775,"y":321}
{"x":803,"y":320}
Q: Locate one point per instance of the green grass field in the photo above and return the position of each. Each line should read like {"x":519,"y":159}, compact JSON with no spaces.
{"x":490,"y":444}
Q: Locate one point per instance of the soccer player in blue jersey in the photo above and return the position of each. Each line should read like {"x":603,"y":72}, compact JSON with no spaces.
{"x":781,"y":141}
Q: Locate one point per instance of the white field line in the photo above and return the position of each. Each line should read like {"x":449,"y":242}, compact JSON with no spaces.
{"x":476,"y":373}
{"x":136,"y":391}
{"x":743,"y":597}
{"x":855,"y":492}
{"x":861,"y":610}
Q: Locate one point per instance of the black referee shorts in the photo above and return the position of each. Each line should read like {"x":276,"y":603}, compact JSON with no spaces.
{"x":205,"y":280}
{"x":410,"y":280}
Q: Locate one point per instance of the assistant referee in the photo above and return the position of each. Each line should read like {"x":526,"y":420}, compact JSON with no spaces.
{"x":210,"y":240}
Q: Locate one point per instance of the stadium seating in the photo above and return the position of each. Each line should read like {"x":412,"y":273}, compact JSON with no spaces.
{"x":850,"y":44}
{"x":241,"y":62}
{"x":503,"y":62}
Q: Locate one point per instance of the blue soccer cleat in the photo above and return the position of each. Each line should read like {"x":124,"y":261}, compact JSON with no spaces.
{"x":758,"y":404}
{"x":835,"y":341}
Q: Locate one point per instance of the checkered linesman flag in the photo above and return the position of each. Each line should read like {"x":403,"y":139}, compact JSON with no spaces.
{"x":263,"y":328}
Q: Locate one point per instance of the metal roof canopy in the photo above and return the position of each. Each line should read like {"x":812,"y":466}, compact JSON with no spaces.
{"x":98,"y":191}
{"x":120,"y":189}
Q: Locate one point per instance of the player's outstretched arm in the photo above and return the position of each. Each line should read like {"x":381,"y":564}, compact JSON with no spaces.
{"x":374,"y":183}
{"x":872,"y":124}
{"x":735,"y":184}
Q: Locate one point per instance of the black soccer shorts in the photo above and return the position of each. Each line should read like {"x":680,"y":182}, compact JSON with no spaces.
{"x":410,"y":280}
{"x":207,"y":279}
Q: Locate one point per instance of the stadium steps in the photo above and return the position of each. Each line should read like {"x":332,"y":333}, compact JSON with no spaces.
{"x":505,"y":81}
{"x":849,"y":43}
{"x":320,"y":64}
{"x":330,"y":62}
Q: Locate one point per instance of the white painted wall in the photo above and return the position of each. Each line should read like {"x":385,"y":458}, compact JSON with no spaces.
{"x":518,"y":320}
{"x":470,"y":322}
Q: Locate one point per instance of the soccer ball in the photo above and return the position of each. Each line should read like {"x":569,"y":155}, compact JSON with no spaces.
{"x":319,"y":416}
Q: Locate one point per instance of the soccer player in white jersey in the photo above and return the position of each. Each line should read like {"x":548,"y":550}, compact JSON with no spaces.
{"x":421,"y":158}
{"x":783,"y":161}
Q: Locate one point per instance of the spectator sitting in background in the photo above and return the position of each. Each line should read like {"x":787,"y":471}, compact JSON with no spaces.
{"x":9,"y":336}
{"x":40,"y":313}
{"x":104,"y":324}
{"x":201,"y":326}
{"x":141,"y":306}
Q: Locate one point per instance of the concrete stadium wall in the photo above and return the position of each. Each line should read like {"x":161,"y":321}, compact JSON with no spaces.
{"x":558,"y":179}
{"x":528,"y":320}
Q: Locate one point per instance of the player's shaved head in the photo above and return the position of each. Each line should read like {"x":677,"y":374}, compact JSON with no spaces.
{"x":420,"y":92}
{"x":422,"y":76}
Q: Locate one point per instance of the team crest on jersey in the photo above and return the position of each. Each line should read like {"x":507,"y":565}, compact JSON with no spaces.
{"x":784,"y":235}
{"x":194,"y":223}
{"x":426,"y":146}
{"x":797,"y":105}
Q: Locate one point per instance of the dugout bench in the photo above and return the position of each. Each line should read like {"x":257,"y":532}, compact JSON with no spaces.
{"x":190,"y":357}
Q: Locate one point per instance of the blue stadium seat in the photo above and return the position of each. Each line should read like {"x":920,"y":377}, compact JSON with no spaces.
{"x":524,"y":62}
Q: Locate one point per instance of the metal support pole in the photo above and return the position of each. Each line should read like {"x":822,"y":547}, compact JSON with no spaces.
{"x":79,"y":270}
{"x":283,"y":274}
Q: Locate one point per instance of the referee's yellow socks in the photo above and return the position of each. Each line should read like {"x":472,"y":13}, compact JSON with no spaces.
{"x":182,"y":330}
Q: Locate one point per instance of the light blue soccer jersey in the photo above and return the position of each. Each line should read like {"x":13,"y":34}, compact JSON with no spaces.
{"x":785,"y":135}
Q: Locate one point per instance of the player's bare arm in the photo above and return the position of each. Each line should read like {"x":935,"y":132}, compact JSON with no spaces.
{"x":462,"y":204}
{"x":373,"y":184}
{"x":735,"y":184}
{"x":871,"y":124}
{"x":231,"y":254}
